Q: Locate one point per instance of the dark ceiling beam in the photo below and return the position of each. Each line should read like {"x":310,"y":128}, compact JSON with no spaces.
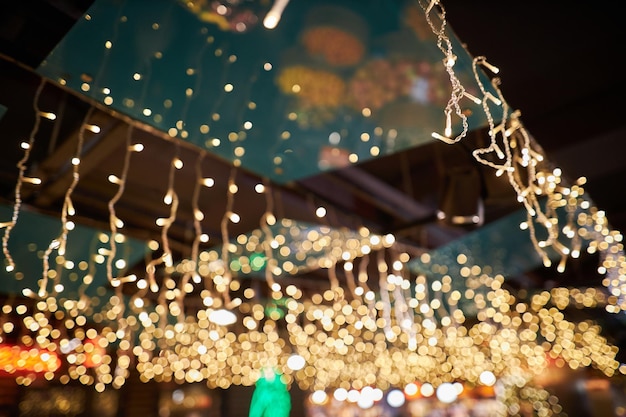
{"x":576,"y":160}
{"x":56,"y":171}
{"x":386,"y":195}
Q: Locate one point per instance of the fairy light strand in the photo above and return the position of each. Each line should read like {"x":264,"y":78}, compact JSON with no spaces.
{"x":458,"y":91}
{"x":350,"y":280}
{"x":198,"y":216}
{"x":268,"y":219}
{"x":226,"y":218}
{"x":384,"y":292}
{"x":21,"y":178}
{"x":170,"y":351}
{"x":60,"y":242}
{"x":519,"y":157}
{"x":170,"y":199}
{"x":114,"y":221}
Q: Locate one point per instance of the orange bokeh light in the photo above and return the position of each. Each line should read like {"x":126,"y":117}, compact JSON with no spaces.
{"x":15,"y":358}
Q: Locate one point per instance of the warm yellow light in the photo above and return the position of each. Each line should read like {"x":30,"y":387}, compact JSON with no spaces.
{"x":222,"y":317}
{"x":32,"y":180}
{"x":487,"y":378}
{"x":319,"y":397}
{"x":296,"y":362}
{"x":234,"y":217}
{"x":93,"y":128}
{"x":208,"y":182}
{"x":427,"y":390}
{"x":274,"y":15}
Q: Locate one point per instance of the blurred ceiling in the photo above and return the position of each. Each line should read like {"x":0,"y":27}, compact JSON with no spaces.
{"x":560,"y":65}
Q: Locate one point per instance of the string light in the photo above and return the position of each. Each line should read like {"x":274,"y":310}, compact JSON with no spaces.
{"x":417,"y":329}
{"x":171,"y":199}
{"x":458,"y":91}
{"x":517,"y":156}
{"x":21,"y":178}
{"x":192,"y":273}
{"x":224,"y":287}
{"x":114,"y":221}
{"x":60,"y":242}
{"x":273,"y":16}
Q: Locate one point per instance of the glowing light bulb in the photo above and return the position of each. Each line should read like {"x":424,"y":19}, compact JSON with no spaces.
{"x":168,"y":197}
{"x":395,"y":398}
{"x":296,"y":362}
{"x":442,"y":138}
{"x":273,"y":16}
{"x":493,"y":98}
{"x":491,"y":68}
{"x":471,"y":97}
{"x":487,"y":378}
{"x":222,"y":317}
{"x":208,"y":182}
{"x":450,"y":60}
{"x":32,"y":180}
{"x":447,"y":393}
{"x":427,"y":390}
{"x":411,"y":389}
{"x":319,"y":397}
{"x":93,"y":128}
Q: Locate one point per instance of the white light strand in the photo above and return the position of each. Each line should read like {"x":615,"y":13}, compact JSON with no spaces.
{"x":351,"y":282}
{"x":512,"y":151}
{"x":113,"y":219}
{"x":266,"y":219}
{"x":226,"y":218}
{"x":192,"y":273}
{"x":384,"y":292}
{"x":458,"y":91}
{"x":171,"y":199}
{"x":21,"y":178}
{"x":60,"y":242}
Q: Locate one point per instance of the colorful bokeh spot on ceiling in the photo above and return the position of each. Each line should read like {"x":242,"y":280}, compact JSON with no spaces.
{"x":335,"y":83}
{"x":32,"y":236}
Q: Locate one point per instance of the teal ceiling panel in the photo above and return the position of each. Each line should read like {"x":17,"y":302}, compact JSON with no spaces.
{"x":335,"y":83}
{"x":499,"y":247}
{"x":31,"y":237}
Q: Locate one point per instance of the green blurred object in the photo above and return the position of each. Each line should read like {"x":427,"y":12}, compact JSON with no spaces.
{"x":321,"y":91}
{"x":271,"y":397}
